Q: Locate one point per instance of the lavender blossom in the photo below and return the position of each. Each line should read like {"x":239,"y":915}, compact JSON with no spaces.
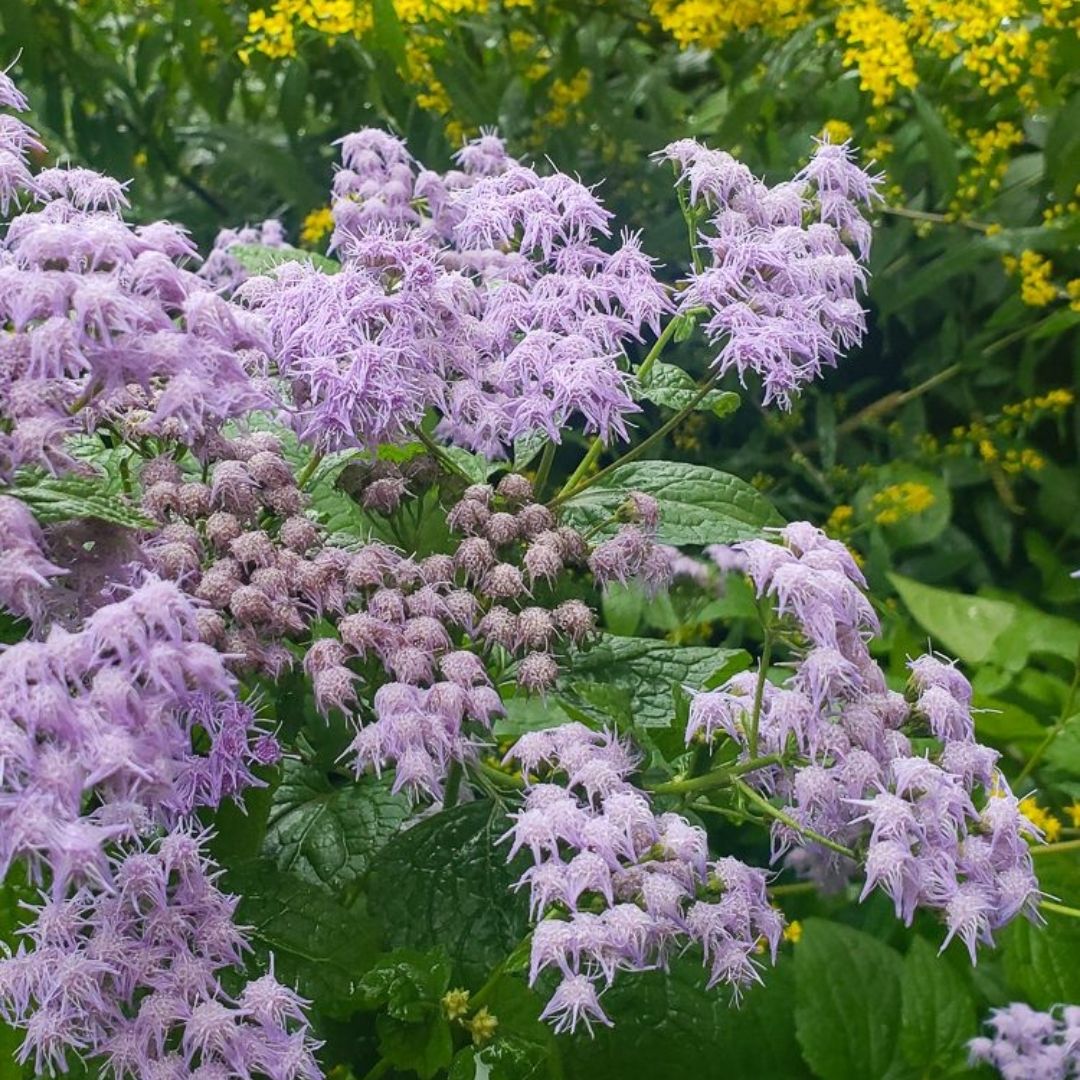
{"x":1028,"y":1045}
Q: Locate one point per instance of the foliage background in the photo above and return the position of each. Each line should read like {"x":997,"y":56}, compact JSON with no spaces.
{"x":945,"y":452}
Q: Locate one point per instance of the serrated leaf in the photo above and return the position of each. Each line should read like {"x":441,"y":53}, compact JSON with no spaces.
{"x":259,"y":259}
{"x":318,"y":946}
{"x":1042,"y":963}
{"x":670,"y":386}
{"x":937,"y":1014}
{"x":698,"y":504}
{"x":644,"y":672}
{"x":670,"y":1025}
{"x":526,"y":447}
{"x":447,"y":884}
{"x":847,"y":1001}
{"x":965,"y":625}
{"x":326,"y":833}
{"x":63,"y":498}
{"x":422,"y":1048}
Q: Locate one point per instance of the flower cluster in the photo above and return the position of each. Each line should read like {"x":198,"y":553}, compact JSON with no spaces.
{"x":415,"y":619}
{"x":104,"y":325}
{"x":625,"y":888}
{"x":130,"y":975}
{"x":780,"y":288}
{"x":932,"y":819}
{"x":108,"y":711}
{"x":483,"y":293}
{"x":25,"y":570}
{"x":1030,"y":1045}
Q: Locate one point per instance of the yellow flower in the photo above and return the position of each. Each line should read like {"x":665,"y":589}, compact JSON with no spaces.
{"x":793,"y":932}
{"x":836,"y":131}
{"x":316,"y":225}
{"x":1042,"y":819}
{"x":482,"y":1026}
{"x":876,"y":45}
{"x":839,"y":521}
{"x":896,"y":502}
{"x":707,"y":23}
{"x":1073,"y":810}
{"x":455,"y":1004}
{"x":1037,"y":288}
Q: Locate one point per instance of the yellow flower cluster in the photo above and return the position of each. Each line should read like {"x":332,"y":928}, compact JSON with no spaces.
{"x":565,"y":94}
{"x":836,"y":131}
{"x":990,"y":159}
{"x":840,"y":521}
{"x":1037,"y":288}
{"x":272,"y":31}
{"x":1054,"y":403}
{"x":316,"y":226}
{"x":793,"y":932}
{"x":1042,"y":819}
{"x":708,"y":23}
{"x":876,"y":45}
{"x":895,"y":503}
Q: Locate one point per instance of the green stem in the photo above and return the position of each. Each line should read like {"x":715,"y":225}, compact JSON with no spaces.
{"x":308,"y":470}
{"x":440,"y":456}
{"x":936,"y":219}
{"x":1060,"y":909}
{"x":380,"y":1068}
{"x":453,"y":785}
{"x":759,"y":691}
{"x":497,"y":776}
{"x":1055,"y":849}
{"x":1052,"y":734}
{"x":596,"y":447}
{"x":481,"y":995}
{"x":569,"y":492}
{"x":543,"y":471}
{"x":767,"y":808}
{"x":717,"y":778}
{"x":795,"y":889}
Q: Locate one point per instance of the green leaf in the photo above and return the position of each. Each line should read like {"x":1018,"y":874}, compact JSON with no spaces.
{"x":698,"y":505}
{"x":670,"y":386}
{"x":645,"y":672}
{"x":424,"y":1049}
{"x":667,"y":1024}
{"x":967,"y":626}
{"x":61,"y":498}
{"x":1042,"y":963}
{"x":848,"y":999}
{"x":444,"y":882}
{"x":258,"y":259}
{"x":937,"y":1013}
{"x":413,"y":1032}
{"x":940,"y":151}
{"x":327,"y":833}
{"x":318,"y":946}
{"x":387,"y":31}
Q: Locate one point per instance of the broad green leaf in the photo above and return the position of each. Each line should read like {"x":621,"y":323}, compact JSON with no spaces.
{"x":623,"y":607}
{"x":937,"y":1014}
{"x":62,"y":498}
{"x":670,"y":386}
{"x":1042,"y":963}
{"x":645,"y":671}
{"x":318,"y":946}
{"x":526,"y":448}
{"x":327,"y":833}
{"x":387,"y":32}
{"x":444,"y":882}
{"x":667,"y":1024}
{"x":698,"y":505}
{"x":528,"y":714}
{"x":404,"y":982}
{"x":967,"y":626}
{"x":848,"y":1000}
{"x":414,"y":1033}
{"x":259,"y":259}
